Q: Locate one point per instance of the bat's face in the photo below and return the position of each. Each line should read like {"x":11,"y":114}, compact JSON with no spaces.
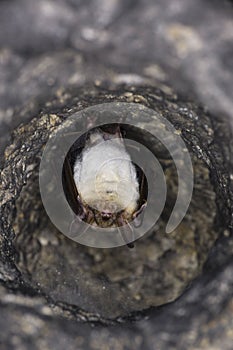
{"x":105,"y":181}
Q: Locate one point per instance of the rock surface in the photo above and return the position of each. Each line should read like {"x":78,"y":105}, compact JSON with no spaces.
{"x":49,"y":50}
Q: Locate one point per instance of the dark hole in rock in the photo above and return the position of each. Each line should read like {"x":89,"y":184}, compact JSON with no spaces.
{"x":113,"y":283}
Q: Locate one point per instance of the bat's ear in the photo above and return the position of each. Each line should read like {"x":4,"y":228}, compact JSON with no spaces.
{"x":138,"y":216}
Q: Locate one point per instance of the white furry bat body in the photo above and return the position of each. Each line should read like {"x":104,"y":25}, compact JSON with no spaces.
{"x":105,"y":176}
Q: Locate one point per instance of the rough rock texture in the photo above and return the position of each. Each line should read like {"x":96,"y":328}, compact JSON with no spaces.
{"x":46,"y":45}
{"x":110,"y":283}
{"x":106,"y":287}
{"x":52,"y":48}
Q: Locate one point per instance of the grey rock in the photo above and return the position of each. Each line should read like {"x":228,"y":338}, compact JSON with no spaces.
{"x":51,"y":54}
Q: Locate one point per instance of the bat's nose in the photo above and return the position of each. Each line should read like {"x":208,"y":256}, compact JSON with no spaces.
{"x":106,"y":215}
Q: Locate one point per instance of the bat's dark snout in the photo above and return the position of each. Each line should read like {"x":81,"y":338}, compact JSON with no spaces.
{"x":106,"y":215}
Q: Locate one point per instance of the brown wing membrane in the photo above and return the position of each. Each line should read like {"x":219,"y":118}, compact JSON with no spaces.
{"x":69,"y":187}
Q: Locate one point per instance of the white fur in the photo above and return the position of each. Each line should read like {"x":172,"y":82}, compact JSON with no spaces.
{"x":105,"y":177}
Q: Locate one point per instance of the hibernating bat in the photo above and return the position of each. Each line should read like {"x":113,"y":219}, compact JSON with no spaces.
{"x":101,"y":183}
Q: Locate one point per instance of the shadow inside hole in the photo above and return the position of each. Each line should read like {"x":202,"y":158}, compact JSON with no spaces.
{"x":117,"y":282}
